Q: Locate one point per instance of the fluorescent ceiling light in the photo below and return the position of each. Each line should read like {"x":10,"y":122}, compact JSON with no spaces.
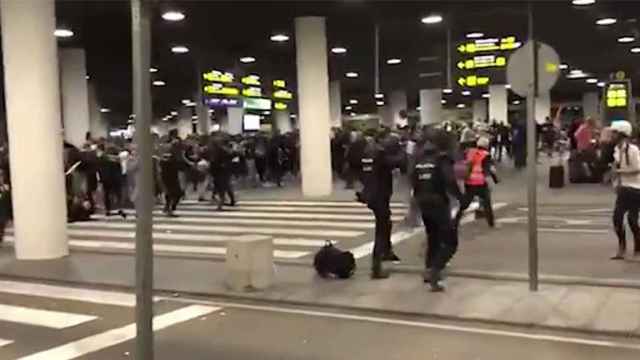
{"x":63,"y":33}
{"x":348,"y":107}
{"x":353,"y":102}
{"x":159,"y":83}
{"x":191,"y":104}
{"x":475,"y":35}
{"x":186,"y":101}
{"x":516,"y":102}
{"x":352,"y":114}
{"x":635,"y":50}
{"x":394,"y":61}
{"x":173,"y":16}
{"x":180,"y":49}
{"x":443,"y":101}
{"x":247,"y":59}
{"x":174,"y":113}
{"x":351,"y":75}
{"x":153,"y":70}
{"x":87,"y":77}
{"x":601,"y":84}
{"x":105,"y":110}
{"x":267,"y":112}
{"x":279,"y":38}
{"x":194,"y":117}
{"x":626,"y":39}
{"x":293,"y":116}
{"x":583,"y":2}
{"x":606,"y":21}
{"x":486,"y":95}
{"x":379,"y":96}
{"x":466,"y":93}
{"x":592,"y":81}
{"x":432,"y":19}
{"x":419,"y":108}
{"x":563,"y":66}
{"x":447,"y":91}
{"x":460,"y":106}
{"x":380,"y":103}
{"x":339,"y":50}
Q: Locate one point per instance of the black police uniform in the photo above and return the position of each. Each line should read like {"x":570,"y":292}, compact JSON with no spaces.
{"x":433,"y":178}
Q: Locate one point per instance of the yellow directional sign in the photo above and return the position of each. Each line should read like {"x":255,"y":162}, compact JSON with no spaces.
{"x":283,"y":94}
{"x":279,"y":83}
{"x":473,"y":81}
{"x":617,"y":95}
{"x":483,"y":61}
{"x":218,"y":76}
{"x":252,"y":92}
{"x":280,"y":106}
{"x":251,"y":80}
{"x":493,"y":44}
{"x":219,"y":89}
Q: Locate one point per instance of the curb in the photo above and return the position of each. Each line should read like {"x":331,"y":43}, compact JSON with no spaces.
{"x":254,"y":298}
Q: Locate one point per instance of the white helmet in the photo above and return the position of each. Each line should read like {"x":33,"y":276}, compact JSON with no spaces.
{"x":623,"y":127}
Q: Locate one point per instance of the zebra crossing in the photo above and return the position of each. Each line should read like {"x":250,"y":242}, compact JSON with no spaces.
{"x":298,"y":228}
{"x":50,"y":322}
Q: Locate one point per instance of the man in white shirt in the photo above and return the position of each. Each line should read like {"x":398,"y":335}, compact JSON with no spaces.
{"x":627,"y":170}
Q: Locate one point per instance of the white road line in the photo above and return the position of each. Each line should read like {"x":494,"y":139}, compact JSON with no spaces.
{"x":68,"y":293}
{"x":4,"y":342}
{"x":324,"y":233}
{"x":177,"y":249}
{"x":130,"y":235}
{"x":44,"y":318}
{"x":417,"y":324}
{"x":313,"y":203}
{"x":272,"y":215}
{"x":360,"y":210}
{"x":117,"y":336}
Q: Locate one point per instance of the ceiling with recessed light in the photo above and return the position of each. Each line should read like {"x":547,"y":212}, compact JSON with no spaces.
{"x":413,"y":52}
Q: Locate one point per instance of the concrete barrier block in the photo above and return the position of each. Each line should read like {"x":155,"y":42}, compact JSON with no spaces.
{"x":249,"y":264}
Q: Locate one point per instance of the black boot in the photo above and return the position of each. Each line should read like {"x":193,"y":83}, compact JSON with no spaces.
{"x":436,"y":277}
{"x":377,"y":272}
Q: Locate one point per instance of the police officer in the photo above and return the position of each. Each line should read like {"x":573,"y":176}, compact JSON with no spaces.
{"x":480,"y":167}
{"x":433,"y":179}
{"x":380,"y":158}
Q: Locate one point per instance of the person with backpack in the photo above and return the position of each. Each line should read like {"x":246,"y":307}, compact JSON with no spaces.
{"x":433,"y":179}
{"x":480,"y":167}
{"x":627,"y":172}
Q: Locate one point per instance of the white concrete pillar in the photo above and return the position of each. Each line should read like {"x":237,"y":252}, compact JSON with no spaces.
{"x":75,"y":99}
{"x":185,"y":128}
{"x":480,"y":110}
{"x":202,"y":111}
{"x":430,"y":106}
{"x":282,"y":119}
{"x":335,"y":102}
{"x":591,"y":105}
{"x":313,"y":101}
{"x":498,"y":107}
{"x":32,"y":95}
{"x":543,"y":107}
{"x":397,"y":103}
{"x":235,"y":119}
{"x":98,"y":126}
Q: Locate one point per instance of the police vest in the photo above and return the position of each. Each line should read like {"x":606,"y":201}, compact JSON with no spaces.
{"x":426,"y":176}
{"x":475,"y":158}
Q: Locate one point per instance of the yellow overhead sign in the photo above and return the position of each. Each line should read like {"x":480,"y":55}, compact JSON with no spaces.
{"x":483,"y":61}
{"x":251,"y":80}
{"x":283,"y":94}
{"x":252,"y":92}
{"x":617,"y":95}
{"x":218,"y":76}
{"x":279,"y":83}
{"x":280,"y":106}
{"x":219,"y":89}
{"x":493,"y":44}
{"x":473,"y":81}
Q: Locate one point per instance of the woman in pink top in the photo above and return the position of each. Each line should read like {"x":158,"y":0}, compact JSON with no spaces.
{"x":585,"y":135}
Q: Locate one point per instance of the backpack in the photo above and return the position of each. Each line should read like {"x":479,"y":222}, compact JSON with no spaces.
{"x":331,"y":261}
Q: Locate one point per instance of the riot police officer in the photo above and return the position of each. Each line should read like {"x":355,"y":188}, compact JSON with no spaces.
{"x":380,"y":158}
{"x":433,"y":179}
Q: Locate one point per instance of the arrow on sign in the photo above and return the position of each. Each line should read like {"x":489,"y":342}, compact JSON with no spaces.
{"x":462,"y":48}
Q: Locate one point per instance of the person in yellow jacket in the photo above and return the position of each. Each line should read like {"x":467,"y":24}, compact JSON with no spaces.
{"x":481,"y":166}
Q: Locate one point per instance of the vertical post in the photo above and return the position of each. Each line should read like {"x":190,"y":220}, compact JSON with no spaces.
{"x":376,"y":57}
{"x":532,"y":162}
{"x":141,"y":43}
{"x":449,"y":56}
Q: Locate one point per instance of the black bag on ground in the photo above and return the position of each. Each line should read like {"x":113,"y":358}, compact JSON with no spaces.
{"x":331,"y":261}
{"x":556,"y":177}
{"x":578,"y":171}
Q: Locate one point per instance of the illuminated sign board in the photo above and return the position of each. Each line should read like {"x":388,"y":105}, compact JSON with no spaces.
{"x":252,"y":92}
{"x":473,"y":80}
{"x":257,"y":104}
{"x":617,"y":95}
{"x":223,"y":102}
{"x":280,"y":105}
{"x":493,"y":44}
{"x":279,"y":84}
{"x":218,"y":76}
{"x":283,"y":94}
{"x":219,"y":89}
{"x":251,"y":80}
{"x":483,"y":61}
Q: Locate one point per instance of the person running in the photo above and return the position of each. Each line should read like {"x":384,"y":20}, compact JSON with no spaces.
{"x":627,"y":171}
{"x":480,"y":166}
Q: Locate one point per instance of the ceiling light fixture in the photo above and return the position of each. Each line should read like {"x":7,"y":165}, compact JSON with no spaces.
{"x":279,"y":38}
{"x":153,"y":70}
{"x":516,"y":102}
{"x":394,"y":61}
{"x":247,"y":59}
{"x":353,"y":102}
{"x":486,"y":95}
{"x":159,"y":83}
{"x":87,"y":77}
{"x":635,"y":50}
{"x":626,"y":39}
{"x":443,"y":101}
{"x":339,"y":50}
{"x":351,"y":75}
{"x":460,"y":106}
{"x":447,"y":91}
{"x":348,"y":108}
{"x":186,"y":101}
{"x":432,"y":19}
{"x":173,"y":16}
{"x":379,"y":96}
{"x":194,"y":117}
{"x":63,"y":33}
{"x":592,"y":81}
{"x":563,"y":66}
{"x":105,"y":110}
{"x":380,"y":103}
{"x":474,"y":35}
{"x":583,"y":2}
{"x":606,"y":21}
{"x":466,"y":93}
{"x":180,"y":49}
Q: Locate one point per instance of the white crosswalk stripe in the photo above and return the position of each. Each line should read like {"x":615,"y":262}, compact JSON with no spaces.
{"x":68,"y":293}
{"x":4,"y":342}
{"x":312,"y":203}
{"x":303,"y":209}
{"x":272,"y":215}
{"x":44,"y":318}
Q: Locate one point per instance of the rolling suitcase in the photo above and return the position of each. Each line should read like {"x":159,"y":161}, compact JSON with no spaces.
{"x":556,"y":177}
